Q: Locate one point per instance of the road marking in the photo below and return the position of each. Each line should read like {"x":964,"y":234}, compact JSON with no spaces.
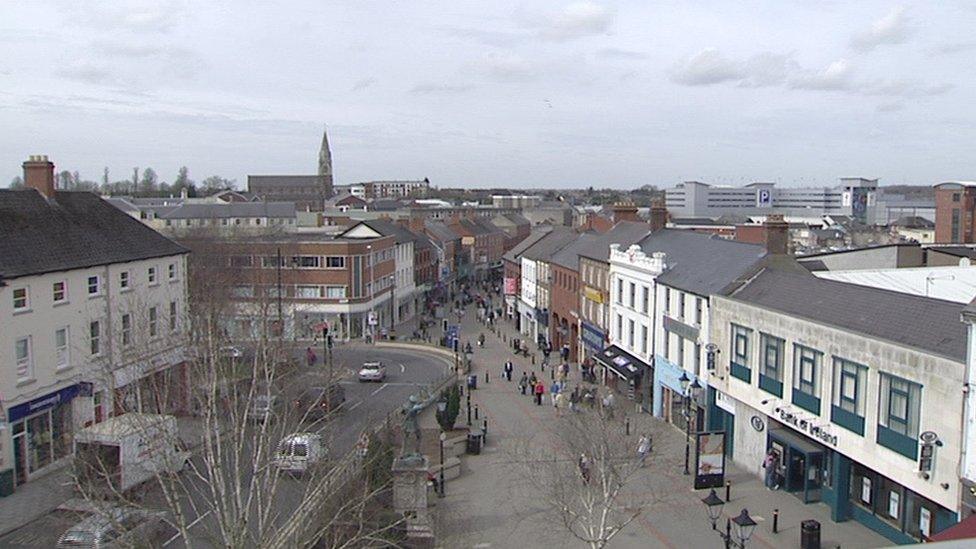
{"x":353,"y":407}
{"x":402,"y":368}
{"x":188,"y":526}
{"x":378,"y":390}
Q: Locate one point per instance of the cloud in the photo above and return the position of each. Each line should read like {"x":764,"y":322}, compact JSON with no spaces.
{"x":500,"y":39}
{"x":508,"y":67}
{"x":362,"y":84}
{"x":87,"y":73}
{"x":835,"y":76}
{"x":578,"y":20}
{"x":617,"y":53}
{"x":128,"y":50}
{"x":705,"y":68}
{"x":893,"y":28}
{"x":952,"y":48}
{"x":427,"y":89}
{"x":893,"y":106}
{"x":144,"y":16}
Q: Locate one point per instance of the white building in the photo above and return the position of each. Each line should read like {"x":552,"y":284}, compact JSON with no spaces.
{"x":93,"y":306}
{"x":405,"y":288}
{"x":858,"y":391}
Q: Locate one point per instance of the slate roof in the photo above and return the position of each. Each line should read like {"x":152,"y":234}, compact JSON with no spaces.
{"x":958,"y":251}
{"x":550,"y":244}
{"x":440,"y":231}
{"x":624,"y":233}
{"x":296,"y":181}
{"x":534,"y":236}
{"x":912,"y":222}
{"x":700,"y":263}
{"x":75,"y":230}
{"x":933,"y":325}
{"x":517,"y":218}
{"x":230,"y":209}
{"x":568,"y":256}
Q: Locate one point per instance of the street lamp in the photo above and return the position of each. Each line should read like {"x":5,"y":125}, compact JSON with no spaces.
{"x":443,"y":438}
{"x":738,"y":530}
{"x":690,"y":393}
{"x":369,"y":262}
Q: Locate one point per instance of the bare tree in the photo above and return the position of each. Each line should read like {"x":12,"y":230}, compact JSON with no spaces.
{"x":589,"y":477}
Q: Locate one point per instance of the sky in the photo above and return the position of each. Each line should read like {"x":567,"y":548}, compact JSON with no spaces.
{"x":477,"y":94}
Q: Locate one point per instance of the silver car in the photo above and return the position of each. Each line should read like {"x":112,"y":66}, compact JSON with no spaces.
{"x":372,"y":371}
{"x":115,"y":527}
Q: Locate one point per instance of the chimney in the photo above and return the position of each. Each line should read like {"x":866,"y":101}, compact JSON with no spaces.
{"x":777,"y":235}
{"x":624,"y":211}
{"x":417,"y":223}
{"x":39,"y":175}
{"x":659,"y":215}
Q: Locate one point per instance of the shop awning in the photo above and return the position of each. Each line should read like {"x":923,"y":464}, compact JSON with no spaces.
{"x":620,"y":362}
{"x":799,"y":442}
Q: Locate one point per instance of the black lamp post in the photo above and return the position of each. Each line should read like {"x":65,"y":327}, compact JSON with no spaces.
{"x":738,"y":530}
{"x":690,"y":390}
{"x":440,"y":482}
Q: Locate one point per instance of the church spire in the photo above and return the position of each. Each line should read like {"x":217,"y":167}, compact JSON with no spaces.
{"x":325,"y":157}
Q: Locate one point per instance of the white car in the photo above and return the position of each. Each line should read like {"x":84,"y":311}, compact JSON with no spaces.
{"x":372,"y":371}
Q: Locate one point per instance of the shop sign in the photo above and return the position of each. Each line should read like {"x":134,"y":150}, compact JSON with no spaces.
{"x":927,"y":450}
{"x":592,"y":336}
{"x":511,"y":286}
{"x":593,"y":294}
{"x":680,"y":328}
{"x":724,"y":402}
{"x":757,"y":423}
{"x":709,"y":459}
{"x":807,"y":427}
{"x":16,"y":413}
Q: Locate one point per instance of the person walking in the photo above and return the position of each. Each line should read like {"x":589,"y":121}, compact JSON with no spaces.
{"x":608,"y":404}
{"x":574,"y":399}
{"x":310,"y":357}
{"x":643,"y":448}
{"x":560,"y":402}
{"x":523,"y":383}
{"x":771,"y":476}
{"x":584,"y":468}
{"x":554,"y":392}
{"x":540,"y":389}
{"x":508,"y":370}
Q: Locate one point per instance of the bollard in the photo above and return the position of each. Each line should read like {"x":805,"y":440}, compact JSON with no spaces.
{"x":775,"y":521}
{"x":728,"y":491}
{"x":627,"y":426}
{"x":533,"y":360}
{"x":552,"y":374}
{"x":476,"y":412}
{"x":486,"y":427}
{"x":486,"y":377}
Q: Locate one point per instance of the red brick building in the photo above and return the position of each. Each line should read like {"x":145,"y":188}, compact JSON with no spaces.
{"x":955,"y":212}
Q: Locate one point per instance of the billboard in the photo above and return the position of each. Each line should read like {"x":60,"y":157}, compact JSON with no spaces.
{"x":709,"y":459}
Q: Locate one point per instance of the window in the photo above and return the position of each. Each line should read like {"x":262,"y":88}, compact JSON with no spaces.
{"x":620,"y":291}
{"x":643,"y":339}
{"x":739,"y":365}
{"x":667,"y":301}
{"x":25,"y":366}
{"x":645,"y":298}
{"x":153,"y":320}
{"x":848,"y":395}
{"x":126,"y":330}
{"x":61,"y":340}
{"x":335,"y":262}
{"x":60,"y":291}
{"x":955,"y":225}
{"x":243,"y":291}
{"x":633,"y":294}
{"x":806,"y":378}
{"x":771,"y":365}
{"x":955,"y":197}
{"x":681,"y":305}
{"x":335,"y":292}
{"x":171,"y":271}
{"x":172,"y":316}
{"x":272,"y":262}
{"x":699,"y":305}
{"x":898,"y":415}
{"x":21,"y":299}
{"x":679,"y":351}
{"x":95,"y":337}
{"x":151,"y":272}
{"x":94,"y":286}
{"x":620,"y":326}
{"x":308,"y":292}
{"x":698,"y":353}
{"x":630,"y":332}
{"x":240,"y":261}
{"x":307,"y":261}
{"x":124,"y":280}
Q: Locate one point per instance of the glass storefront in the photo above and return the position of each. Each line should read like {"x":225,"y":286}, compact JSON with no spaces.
{"x":41,"y":439}
{"x":878,"y":497}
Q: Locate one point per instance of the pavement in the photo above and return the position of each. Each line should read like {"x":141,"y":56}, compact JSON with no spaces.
{"x":493,"y":504}
{"x":28,"y":518}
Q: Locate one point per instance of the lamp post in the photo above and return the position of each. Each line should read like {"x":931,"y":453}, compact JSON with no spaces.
{"x":690,"y":390}
{"x":372,"y":311}
{"x":738,"y":530}
{"x":443,"y":438}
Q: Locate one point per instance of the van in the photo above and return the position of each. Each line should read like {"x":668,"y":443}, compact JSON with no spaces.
{"x":115,"y":527}
{"x":300,"y":452}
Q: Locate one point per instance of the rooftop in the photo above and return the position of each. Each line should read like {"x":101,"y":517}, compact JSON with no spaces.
{"x":949,"y":283}
{"x":700,"y":263}
{"x":230,"y":209}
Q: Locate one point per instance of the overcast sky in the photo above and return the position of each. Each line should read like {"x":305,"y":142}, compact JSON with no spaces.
{"x":496,"y":93}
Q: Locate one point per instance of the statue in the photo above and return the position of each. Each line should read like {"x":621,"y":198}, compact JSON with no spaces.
{"x":411,"y":430}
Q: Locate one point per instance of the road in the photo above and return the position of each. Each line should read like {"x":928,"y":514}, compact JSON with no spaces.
{"x":365,"y":403}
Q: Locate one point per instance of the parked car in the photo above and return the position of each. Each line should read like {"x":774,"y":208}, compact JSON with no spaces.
{"x":372,"y":371}
{"x":116,"y":527}
{"x":264,"y":406}
{"x":300,"y":452}
{"x":315,"y":402}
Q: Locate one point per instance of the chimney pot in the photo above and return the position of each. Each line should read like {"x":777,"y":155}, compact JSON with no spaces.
{"x":39,"y":175}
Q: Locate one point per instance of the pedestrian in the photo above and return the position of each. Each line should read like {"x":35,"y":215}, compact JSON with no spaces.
{"x":310,"y":356}
{"x":770,"y":463}
{"x":523,"y":383}
{"x":564,"y":353}
{"x":560,"y":402}
{"x":565,"y":370}
{"x":608,"y":404}
{"x":643,"y":448}
{"x":508,"y":370}
{"x":554,"y":392}
{"x":540,"y":388}
{"x":584,"y":468}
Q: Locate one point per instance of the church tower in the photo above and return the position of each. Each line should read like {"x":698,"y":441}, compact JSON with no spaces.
{"x":325,"y":163}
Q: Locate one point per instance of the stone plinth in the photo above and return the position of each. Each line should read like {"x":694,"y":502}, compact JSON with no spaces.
{"x":410,"y":496}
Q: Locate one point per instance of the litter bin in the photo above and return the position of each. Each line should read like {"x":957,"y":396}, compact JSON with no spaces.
{"x":6,"y":483}
{"x":475,"y":436}
{"x":473,"y":381}
{"x":809,"y":534}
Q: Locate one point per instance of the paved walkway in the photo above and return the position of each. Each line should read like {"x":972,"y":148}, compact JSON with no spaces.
{"x":493,"y":505}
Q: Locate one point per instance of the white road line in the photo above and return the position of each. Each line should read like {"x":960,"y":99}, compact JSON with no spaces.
{"x":402,"y":368}
{"x":353,"y":407}
{"x":188,"y":526}
{"x":378,"y":390}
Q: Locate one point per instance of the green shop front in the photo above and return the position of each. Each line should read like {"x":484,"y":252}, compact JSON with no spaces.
{"x":815,"y":472}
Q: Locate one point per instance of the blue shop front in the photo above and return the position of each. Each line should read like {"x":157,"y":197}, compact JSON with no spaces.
{"x":669,"y":395}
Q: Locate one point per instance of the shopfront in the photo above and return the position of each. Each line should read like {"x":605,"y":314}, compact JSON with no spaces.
{"x":593,"y":339}
{"x":42,"y":430}
{"x":542,"y":320}
{"x":623,"y":372}
{"x":158,"y":385}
